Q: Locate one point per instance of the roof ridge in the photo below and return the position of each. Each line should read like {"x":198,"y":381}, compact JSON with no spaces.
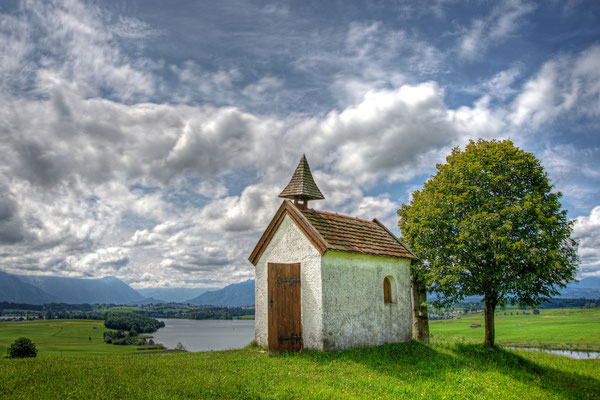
{"x":340,"y":215}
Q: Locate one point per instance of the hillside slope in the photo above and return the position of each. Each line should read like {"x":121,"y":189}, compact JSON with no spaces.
{"x":235,"y":295}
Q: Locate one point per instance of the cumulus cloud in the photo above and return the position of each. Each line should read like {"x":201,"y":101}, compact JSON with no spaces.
{"x":97,"y":178}
{"x":574,"y":172}
{"x":587,"y":231}
{"x":91,"y":174}
{"x":560,"y":85}
{"x":95,"y":174}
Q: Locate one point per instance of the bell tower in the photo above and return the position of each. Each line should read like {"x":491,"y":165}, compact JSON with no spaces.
{"x":302,"y":186}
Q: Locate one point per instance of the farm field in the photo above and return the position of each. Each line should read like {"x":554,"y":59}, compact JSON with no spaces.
{"x":445,"y":370}
{"x":61,"y":338}
{"x":558,"y":328}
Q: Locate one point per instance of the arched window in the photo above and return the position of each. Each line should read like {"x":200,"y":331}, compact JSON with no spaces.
{"x":387,"y":290}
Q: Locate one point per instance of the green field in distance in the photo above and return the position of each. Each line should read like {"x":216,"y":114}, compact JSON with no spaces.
{"x":561,"y":327}
{"x":61,"y":337}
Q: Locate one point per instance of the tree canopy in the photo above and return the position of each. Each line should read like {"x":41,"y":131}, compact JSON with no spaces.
{"x":487,"y":223}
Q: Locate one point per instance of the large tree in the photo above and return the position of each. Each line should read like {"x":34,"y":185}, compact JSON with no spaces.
{"x":488,"y":224}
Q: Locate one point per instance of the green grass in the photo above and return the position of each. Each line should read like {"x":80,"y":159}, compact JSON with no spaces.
{"x":69,"y":366}
{"x":413,"y":370}
{"x":61,"y":338}
{"x":557,"y":328}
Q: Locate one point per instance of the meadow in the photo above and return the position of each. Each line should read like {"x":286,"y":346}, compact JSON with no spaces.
{"x":566,"y":328}
{"x":449,"y":370}
{"x":454,"y":366}
{"x":61,"y":338}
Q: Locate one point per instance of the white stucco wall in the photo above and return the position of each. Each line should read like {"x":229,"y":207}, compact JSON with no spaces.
{"x":354,"y":312}
{"x":290,"y":245}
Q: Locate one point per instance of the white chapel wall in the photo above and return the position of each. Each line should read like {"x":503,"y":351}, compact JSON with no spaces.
{"x":290,"y":245}
{"x":354,"y":312}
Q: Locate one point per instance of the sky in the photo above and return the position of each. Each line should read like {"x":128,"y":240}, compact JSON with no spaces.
{"x":149,"y":139}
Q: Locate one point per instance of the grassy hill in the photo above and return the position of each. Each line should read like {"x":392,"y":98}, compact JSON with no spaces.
{"x":416,"y":371}
{"x":69,"y":365}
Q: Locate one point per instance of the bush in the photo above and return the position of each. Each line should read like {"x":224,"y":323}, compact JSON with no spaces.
{"x":122,"y":338}
{"x":21,"y":348}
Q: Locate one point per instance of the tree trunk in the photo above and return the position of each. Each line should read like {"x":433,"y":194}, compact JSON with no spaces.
{"x":420,"y":316}
{"x":490,"y":308}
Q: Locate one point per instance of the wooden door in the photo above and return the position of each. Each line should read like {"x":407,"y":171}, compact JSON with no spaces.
{"x":285,"y":323}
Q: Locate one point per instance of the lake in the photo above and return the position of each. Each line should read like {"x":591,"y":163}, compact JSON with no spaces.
{"x":205,"y":335}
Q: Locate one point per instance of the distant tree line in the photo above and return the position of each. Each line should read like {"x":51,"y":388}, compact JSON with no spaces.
{"x":98,"y":311}
{"x":51,"y":310}
{"x":219,"y":313}
{"x":184,"y":311}
{"x":570,"y":303}
{"x":477,"y":306}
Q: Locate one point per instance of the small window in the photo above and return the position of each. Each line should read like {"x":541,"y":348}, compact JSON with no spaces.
{"x":387,"y":290}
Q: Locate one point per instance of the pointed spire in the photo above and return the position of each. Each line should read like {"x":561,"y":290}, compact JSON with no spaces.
{"x":302,"y":185}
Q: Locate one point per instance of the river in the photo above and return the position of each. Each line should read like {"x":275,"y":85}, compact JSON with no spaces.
{"x":205,"y":335}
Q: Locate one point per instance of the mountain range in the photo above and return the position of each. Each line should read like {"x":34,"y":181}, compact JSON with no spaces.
{"x":110,"y":290}
{"x":234,"y":295}
{"x":170,"y":294}
{"x":34,"y":289}
{"x":587,"y":287}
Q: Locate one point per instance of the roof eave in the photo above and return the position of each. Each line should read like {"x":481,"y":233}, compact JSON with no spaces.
{"x":288,"y":208}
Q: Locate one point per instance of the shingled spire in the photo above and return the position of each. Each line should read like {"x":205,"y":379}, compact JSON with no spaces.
{"x":302,"y":186}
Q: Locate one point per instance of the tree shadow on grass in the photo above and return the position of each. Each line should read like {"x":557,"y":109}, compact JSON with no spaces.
{"x":565,"y":384}
{"x":431,"y":362}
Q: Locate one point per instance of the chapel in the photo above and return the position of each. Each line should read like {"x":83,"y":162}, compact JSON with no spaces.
{"x":328,"y":281}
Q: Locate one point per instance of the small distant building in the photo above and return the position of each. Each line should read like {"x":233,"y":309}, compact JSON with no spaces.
{"x":327,"y":281}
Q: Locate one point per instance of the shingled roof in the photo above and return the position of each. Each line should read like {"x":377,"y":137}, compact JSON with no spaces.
{"x":328,"y":231}
{"x":355,"y":235}
{"x":302,"y":186}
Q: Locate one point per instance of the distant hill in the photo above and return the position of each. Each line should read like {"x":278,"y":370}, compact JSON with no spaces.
{"x":592,"y":282}
{"x":587,"y":287}
{"x":171,"y":295}
{"x":235,"y":295}
{"x":14,"y":290}
{"x":48,"y":289}
{"x":146,"y":301}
